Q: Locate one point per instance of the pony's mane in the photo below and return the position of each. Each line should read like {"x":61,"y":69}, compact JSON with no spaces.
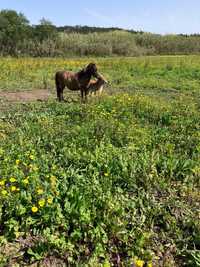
{"x":81,"y":73}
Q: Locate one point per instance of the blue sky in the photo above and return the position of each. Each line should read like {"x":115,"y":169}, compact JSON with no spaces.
{"x":158,"y":16}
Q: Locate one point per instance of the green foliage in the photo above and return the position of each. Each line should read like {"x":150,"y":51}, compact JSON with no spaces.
{"x":13,"y":29}
{"x":45,"y":31}
{"x":169,"y":44}
{"x":17,"y":37}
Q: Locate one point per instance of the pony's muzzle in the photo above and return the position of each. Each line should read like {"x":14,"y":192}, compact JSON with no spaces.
{"x":106,"y":82}
{"x":101,"y":77}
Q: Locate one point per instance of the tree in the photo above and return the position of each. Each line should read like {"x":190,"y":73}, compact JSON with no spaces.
{"x":14,"y":27}
{"x":45,"y":30}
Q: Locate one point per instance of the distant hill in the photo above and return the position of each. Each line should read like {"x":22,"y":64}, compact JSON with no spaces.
{"x":89,"y":29}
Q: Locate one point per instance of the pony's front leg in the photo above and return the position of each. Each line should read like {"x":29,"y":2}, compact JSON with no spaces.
{"x":82,"y":94}
{"x":86,"y":92}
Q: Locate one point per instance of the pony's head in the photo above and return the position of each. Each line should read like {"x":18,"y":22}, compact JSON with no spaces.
{"x":91,"y":69}
{"x":102,"y":79}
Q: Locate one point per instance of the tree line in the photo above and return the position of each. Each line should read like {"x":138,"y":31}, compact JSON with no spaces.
{"x":19,"y":38}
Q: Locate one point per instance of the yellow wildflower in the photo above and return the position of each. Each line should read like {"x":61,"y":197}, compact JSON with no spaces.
{"x":139,"y":263}
{"x":54,"y":167}
{"x":106,"y":174}
{"x":17,"y":161}
{"x":50,"y":200}
{"x":2,"y":182}
{"x":17,"y":234}
{"x":57,"y":193}
{"x":4,"y":192}
{"x":53,"y":178}
{"x":31,"y":157}
{"x":13,"y":188}
{"x":40,"y":191}
{"x":35,"y":168}
{"x":41,"y":202}
{"x":25,"y":181}
{"x":34,"y":209}
{"x":106,"y":264}
{"x":53,"y":181}
{"x":12,"y":180}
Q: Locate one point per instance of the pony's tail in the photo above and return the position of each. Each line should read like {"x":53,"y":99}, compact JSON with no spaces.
{"x":56,"y":79}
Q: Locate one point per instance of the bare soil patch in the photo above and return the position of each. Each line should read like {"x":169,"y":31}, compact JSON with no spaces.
{"x":26,"y":96}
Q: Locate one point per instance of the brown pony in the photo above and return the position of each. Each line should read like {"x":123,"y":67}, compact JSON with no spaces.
{"x":75,"y":81}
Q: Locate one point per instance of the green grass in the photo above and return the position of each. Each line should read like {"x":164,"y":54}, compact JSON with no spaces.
{"x":118,"y":177}
{"x":166,"y":72}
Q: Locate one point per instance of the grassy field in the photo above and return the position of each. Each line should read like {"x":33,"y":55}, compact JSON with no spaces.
{"x":114,"y":182}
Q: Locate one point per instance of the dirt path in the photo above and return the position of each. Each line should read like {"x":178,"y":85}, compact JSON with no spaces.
{"x":25,"y":96}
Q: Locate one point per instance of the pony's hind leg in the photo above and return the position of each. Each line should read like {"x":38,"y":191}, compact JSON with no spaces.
{"x":82,"y":95}
{"x":59,"y":87}
{"x":86,"y":92}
